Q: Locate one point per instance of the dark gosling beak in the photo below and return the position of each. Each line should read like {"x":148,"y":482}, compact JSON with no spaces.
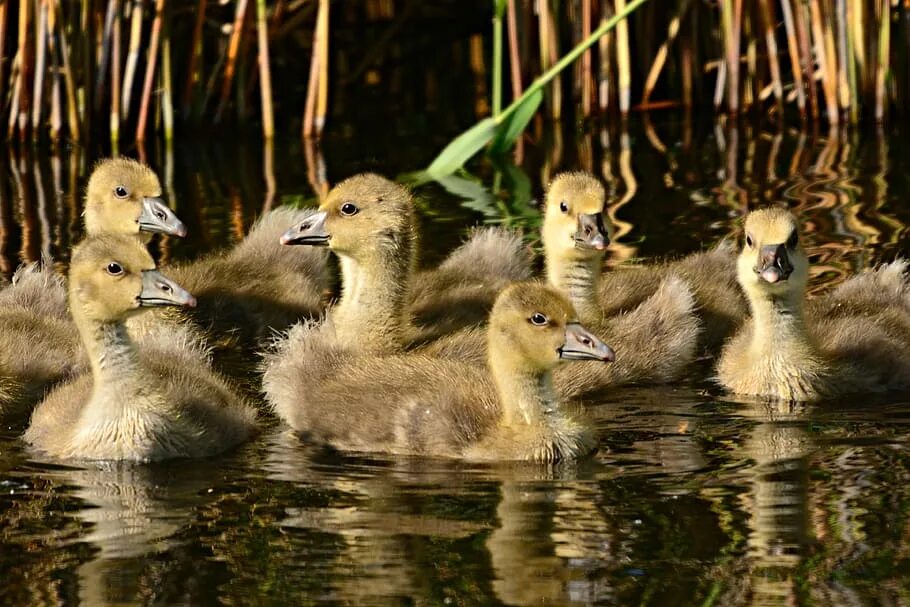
{"x":581,"y":344}
{"x":773,"y":263}
{"x":159,"y":290}
{"x":158,"y":217}
{"x":310,"y":231}
{"x":591,"y":233}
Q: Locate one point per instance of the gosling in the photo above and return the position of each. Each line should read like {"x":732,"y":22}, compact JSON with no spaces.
{"x":420,"y":405}
{"x":153,"y":400}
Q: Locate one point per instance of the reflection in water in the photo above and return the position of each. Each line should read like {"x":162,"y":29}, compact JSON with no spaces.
{"x":691,"y":499}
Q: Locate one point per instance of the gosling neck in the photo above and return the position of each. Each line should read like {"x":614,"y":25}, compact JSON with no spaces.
{"x":372,"y":308}
{"x":111,"y":352}
{"x":779,"y":323}
{"x":579,"y":278}
{"x":527,"y":397}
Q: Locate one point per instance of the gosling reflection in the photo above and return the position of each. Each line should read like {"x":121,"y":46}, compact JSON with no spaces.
{"x":131,"y":514}
{"x":776,"y":500}
{"x":376,"y":511}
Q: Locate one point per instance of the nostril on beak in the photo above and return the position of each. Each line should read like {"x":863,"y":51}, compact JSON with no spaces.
{"x":165,"y":287}
{"x":160,"y":215}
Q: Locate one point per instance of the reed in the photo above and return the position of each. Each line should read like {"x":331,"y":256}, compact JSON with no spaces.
{"x":71,"y":69}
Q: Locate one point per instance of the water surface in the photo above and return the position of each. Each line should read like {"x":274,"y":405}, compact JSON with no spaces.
{"x":692,"y":499}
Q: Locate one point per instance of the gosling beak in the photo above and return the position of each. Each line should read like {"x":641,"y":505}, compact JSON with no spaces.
{"x":581,"y":344}
{"x":773,"y":263}
{"x":158,"y":217}
{"x":159,"y":290}
{"x":310,"y":231}
{"x":591,"y":233}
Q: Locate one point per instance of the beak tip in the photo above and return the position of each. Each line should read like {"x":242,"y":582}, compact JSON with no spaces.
{"x":191,"y":302}
{"x":180,"y":232}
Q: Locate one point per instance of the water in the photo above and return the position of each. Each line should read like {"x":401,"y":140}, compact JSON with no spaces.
{"x":692,"y":499}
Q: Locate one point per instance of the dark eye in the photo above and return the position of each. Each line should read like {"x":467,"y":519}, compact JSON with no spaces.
{"x":793,"y":240}
{"x":114,"y":269}
{"x":538,"y":319}
{"x":564,"y":206}
{"x":748,"y":241}
{"x":349,"y":208}
{"x":121,"y":192}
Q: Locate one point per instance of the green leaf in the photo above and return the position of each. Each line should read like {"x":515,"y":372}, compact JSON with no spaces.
{"x":513,"y":126}
{"x":462,"y":148}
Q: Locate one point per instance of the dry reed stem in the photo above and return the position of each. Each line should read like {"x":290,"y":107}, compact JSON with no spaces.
{"x":115,"y":79}
{"x":805,"y":56}
{"x":312,"y":86}
{"x":25,"y":68}
{"x":231,"y":64}
{"x":603,"y":87}
{"x":623,"y":61}
{"x":824,"y":67}
{"x":586,"y":74}
{"x":322,"y":97}
{"x":843,"y":86}
{"x":883,"y":58}
{"x":40,"y":68}
{"x":793,"y":49}
{"x":661,"y":57}
{"x":167,"y":97}
{"x":154,"y":43}
{"x":72,"y":107}
{"x":767,"y":14}
{"x":265,"y":75}
{"x":132,"y":57}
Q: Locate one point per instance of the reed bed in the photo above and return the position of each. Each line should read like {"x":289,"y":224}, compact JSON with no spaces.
{"x":824,"y":60}
{"x":131,"y":69}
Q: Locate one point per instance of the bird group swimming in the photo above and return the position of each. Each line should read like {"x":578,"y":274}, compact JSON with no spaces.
{"x":474,"y":359}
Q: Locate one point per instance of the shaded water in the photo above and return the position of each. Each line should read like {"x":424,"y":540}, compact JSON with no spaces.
{"x":693,"y":498}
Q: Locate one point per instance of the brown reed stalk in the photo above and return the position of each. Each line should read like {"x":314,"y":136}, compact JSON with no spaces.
{"x":767,"y":15}
{"x":4,"y":13}
{"x":852,"y":16}
{"x":795,"y":64}
{"x":843,"y":85}
{"x":322,"y":98}
{"x":688,"y":71}
{"x":132,"y":57}
{"x":192,"y":74}
{"x":805,"y":55}
{"x":586,"y":74}
{"x":40,"y":67}
{"x":231,"y":65}
{"x":25,"y":67}
{"x":154,"y":42}
{"x":604,"y":46}
{"x":72,"y":107}
{"x":56,"y":115}
{"x":623,"y":61}
{"x":661,"y":57}
{"x":731,"y":17}
{"x":883,"y":58}
{"x":167,"y":97}
{"x":750,"y":96}
{"x":514,"y":54}
{"x":115,"y":79}
{"x":312,"y":87}
{"x":113,"y":7}
{"x":829,"y":84}
{"x":16,"y":78}
{"x":265,"y":74}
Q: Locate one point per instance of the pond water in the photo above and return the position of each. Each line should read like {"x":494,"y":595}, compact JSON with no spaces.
{"x":692,"y":499}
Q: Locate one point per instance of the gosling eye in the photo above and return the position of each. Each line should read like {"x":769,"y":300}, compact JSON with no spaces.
{"x":749,"y":240}
{"x":114,"y":269}
{"x":349,"y":208}
{"x":793,"y":240}
{"x":121,"y":192}
{"x":538,"y":319}
{"x":564,"y":207}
